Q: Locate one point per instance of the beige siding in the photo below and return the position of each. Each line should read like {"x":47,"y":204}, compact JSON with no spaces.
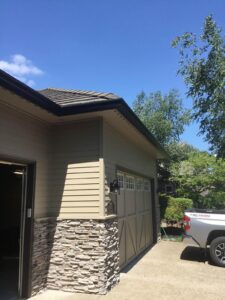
{"x":75,"y":173}
{"x":67,"y":162}
{"x":72,"y":160}
{"x":119,"y":151}
{"x":24,"y":138}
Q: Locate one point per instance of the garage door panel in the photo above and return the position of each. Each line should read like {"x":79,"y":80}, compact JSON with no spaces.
{"x":130,"y":238}
{"x":122,"y":241}
{"x":140,"y":201}
{"x":130,"y":202}
{"x":147,"y":197}
{"x":149,"y":230}
{"x":140,"y":233}
{"x":121,"y":204}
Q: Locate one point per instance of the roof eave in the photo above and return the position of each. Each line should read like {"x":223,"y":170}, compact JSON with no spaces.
{"x":129,"y":114}
{"x":26,"y":92}
{"x":75,"y":109}
{"x":21,"y":89}
{"x":125,"y":110}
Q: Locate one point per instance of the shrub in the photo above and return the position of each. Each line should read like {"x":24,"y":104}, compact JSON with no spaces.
{"x":176,"y":207}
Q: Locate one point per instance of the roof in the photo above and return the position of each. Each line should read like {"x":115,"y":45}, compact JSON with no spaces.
{"x":64,"y":97}
{"x":62,"y":102}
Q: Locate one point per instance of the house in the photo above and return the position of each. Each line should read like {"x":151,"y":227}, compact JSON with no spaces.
{"x":62,"y":153}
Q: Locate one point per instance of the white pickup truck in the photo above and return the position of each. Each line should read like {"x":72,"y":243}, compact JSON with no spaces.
{"x":206,"y":228}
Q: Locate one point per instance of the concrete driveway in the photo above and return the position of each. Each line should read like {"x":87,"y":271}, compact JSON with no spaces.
{"x":170,"y":270}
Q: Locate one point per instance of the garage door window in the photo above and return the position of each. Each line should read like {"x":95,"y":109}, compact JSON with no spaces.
{"x":139,"y":184}
{"x":130,"y":183}
{"x":120,"y":180}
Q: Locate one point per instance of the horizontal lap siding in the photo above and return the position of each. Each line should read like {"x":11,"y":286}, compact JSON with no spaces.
{"x":67,"y":162}
{"x":75,"y":172}
{"x":120,"y":151}
{"x":25,"y":138}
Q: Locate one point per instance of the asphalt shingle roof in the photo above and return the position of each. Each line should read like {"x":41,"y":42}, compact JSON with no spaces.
{"x":75,"y":97}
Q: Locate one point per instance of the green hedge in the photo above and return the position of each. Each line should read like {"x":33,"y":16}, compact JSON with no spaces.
{"x":175,"y":208}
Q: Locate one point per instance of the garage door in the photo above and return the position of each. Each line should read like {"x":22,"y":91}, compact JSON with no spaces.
{"x":134,"y":207}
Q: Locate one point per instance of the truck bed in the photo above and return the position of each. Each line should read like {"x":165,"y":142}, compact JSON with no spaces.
{"x":207,"y":211}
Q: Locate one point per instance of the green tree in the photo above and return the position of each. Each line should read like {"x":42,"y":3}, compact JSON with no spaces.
{"x":163,"y":115}
{"x":201,"y":178}
{"x":202,"y":65}
{"x":180,"y":151}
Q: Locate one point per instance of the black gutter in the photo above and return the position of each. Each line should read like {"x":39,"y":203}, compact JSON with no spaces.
{"x":40,"y":100}
{"x":90,"y":107}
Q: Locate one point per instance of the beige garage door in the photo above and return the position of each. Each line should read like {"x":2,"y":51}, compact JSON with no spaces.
{"x":134,"y":206}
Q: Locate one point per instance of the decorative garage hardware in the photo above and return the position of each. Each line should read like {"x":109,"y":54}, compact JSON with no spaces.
{"x":114,"y":186}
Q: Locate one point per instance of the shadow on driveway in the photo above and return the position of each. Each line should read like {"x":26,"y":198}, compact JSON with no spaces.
{"x":192,"y":253}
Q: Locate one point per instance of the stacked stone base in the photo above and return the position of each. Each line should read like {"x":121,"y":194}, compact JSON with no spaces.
{"x":75,"y":255}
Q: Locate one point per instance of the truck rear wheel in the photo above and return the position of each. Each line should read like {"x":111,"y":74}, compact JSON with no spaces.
{"x":217,"y":251}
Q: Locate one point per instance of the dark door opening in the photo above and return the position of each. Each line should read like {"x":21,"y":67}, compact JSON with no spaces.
{"x":11,"y":228}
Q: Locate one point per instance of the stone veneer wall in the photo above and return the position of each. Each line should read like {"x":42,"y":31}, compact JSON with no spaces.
{"x":75,"y":255}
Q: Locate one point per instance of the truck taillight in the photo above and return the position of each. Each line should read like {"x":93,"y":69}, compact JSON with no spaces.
{"x":186,"y":221}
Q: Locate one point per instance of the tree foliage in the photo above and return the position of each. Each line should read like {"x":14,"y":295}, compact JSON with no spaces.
{"x":202,"y":65}
{"x":201,"y":178}
{"x":163,"y":115}
{"x":180,"y":151}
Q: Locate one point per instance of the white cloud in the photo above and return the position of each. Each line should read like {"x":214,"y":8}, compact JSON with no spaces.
{"x":30,"y":82}
{"x":21,"y":67}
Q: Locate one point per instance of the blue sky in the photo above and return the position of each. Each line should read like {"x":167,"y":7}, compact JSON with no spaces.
{"x":122,"y":46}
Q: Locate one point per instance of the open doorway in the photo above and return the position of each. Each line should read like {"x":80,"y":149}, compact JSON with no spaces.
{"x":12,"y":198}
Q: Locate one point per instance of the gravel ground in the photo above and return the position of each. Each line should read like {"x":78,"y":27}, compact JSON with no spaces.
{"x":170,"y":270}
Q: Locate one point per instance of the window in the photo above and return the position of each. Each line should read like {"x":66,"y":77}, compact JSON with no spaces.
{"x":130,"y":182}
{"x":139,"y":184}
{"x":168,"y":188}
{"x":120,"y":178}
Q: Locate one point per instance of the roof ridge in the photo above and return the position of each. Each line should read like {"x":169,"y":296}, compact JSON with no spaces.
{"x":84,"y":92}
